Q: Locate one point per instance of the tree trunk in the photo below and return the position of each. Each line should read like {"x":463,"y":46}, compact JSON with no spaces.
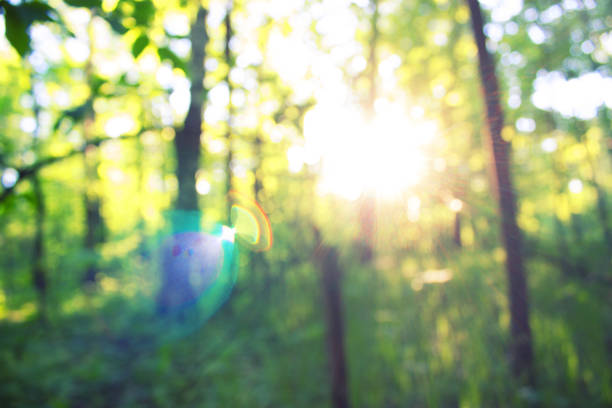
{"x":176,"y":290}
{"x":331,"y":277}
{"x":94,"y":223}
{"x":600,"y":194}
{"x":39,"y":272}
{"x":94,"y":227}
{"x":367,"y":205}
{"x":187,"y":142}
{"x":606,"y":127}
{"x":258,"y":264}
{"x":230,"y":112}
{"x":521,"y":344}
{"x":258,"y":184}
{"x":457,"y":230}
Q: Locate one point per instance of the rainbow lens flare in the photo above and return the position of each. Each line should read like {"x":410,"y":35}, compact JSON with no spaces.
{"x":196,"y":273}
{"x":197,"y":267}
{"x":192,"y":264}
{"x":252,"y":226}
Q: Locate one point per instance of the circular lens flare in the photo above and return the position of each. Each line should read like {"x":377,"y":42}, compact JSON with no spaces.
{"x":197,"y":273}
{"x":250,"y":223}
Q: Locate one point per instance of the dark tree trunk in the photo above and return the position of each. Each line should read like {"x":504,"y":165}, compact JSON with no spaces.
{"x":94,"y":231}
{"x":563,"y":251}
{"x":601,"y":200}
{"x":258,"y":263}
{"x":230,"y":112}
{"x":521,"y":344}
{"x":457,"y":229}
{"x":331,"y":277}
{"x":39,"y":273}
{"x":94,"y":223}
{"x":258,"y":184}
{"x":606,"y":127}
{"x":602,"y":211}
{"x":187,"y":142}
{"x":176,"y":289}
{"x":604,"y":122}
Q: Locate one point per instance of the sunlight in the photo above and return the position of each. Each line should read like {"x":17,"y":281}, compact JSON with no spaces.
{"x":455,"y":205}
{"x":119,"y":125}
{"x":575,"y":186}
{"x":385,"y":156}
{"x":9,"y":177}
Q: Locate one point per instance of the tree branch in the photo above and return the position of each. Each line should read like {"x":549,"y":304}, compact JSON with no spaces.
{"x":28,"y":171}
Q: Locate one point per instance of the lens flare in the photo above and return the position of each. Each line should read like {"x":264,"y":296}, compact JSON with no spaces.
{"x":191,"y":263}
{"x":252,"y":226}
{"x":196,"y":268}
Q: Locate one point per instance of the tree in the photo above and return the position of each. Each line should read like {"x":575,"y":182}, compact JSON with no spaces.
{"x":521,"y":344}
{"x":39,"y":271}
{"x":367,"y":208}
{"x":92,"y":197}
{"x":230,"y":111}
{"x":331,"y":284}
{"x":187,"y":144}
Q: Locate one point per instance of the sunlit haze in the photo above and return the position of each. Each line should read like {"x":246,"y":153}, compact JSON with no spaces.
{"x":354,"y":155}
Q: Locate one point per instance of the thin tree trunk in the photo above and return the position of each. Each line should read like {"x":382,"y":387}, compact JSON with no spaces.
{"x":331,"y":277}
{"x":367,"y":205}
{"x":258,"y":263}
{"x":601,"y":201}
{"x":230,"y":111}
{"x":521,"y":343}
{"x":258,"y":184}
{"x":94,"y":228}
{"x":562,"y":247}
{"x":565,"y":261}
{"x":187,"y":142}
{"x":176,"y":288}
{"x":94,"y":223}
{"x":457,"y":229}
{"x":39,"y":273}
{"x":606,"y":127}
{"x":604,"y":121}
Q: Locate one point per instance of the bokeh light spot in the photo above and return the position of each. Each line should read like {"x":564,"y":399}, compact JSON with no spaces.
{"x":455,"y":205}
{"x":575,"y":186}
{"x":9,"y":177}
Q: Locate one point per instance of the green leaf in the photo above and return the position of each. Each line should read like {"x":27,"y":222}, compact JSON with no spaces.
{"x":77,"y":114}
{"x":115,"y":22}
{"x":16,"y":30}
{"x":84,"y":3}
{"x":139,"y":45}
{"x":35,"y":11}
{"x":18,"y":20}
{"x":143,"y":12}
{"x":166,"y":54}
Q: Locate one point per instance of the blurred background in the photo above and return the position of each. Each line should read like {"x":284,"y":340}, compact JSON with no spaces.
{"x":305,"y":203}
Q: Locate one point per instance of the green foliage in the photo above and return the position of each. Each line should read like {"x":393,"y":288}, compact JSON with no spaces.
{"x":139,"y":45}
{"x":19,"y":18}
{"x":95,"y":116}
{"x":84,"y":3}
{"x":166,"y":54}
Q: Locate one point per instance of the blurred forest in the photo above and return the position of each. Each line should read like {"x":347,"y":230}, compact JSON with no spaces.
{"x":305,"y":203}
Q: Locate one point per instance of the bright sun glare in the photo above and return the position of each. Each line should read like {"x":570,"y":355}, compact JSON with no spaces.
{"x":384,"y":156}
